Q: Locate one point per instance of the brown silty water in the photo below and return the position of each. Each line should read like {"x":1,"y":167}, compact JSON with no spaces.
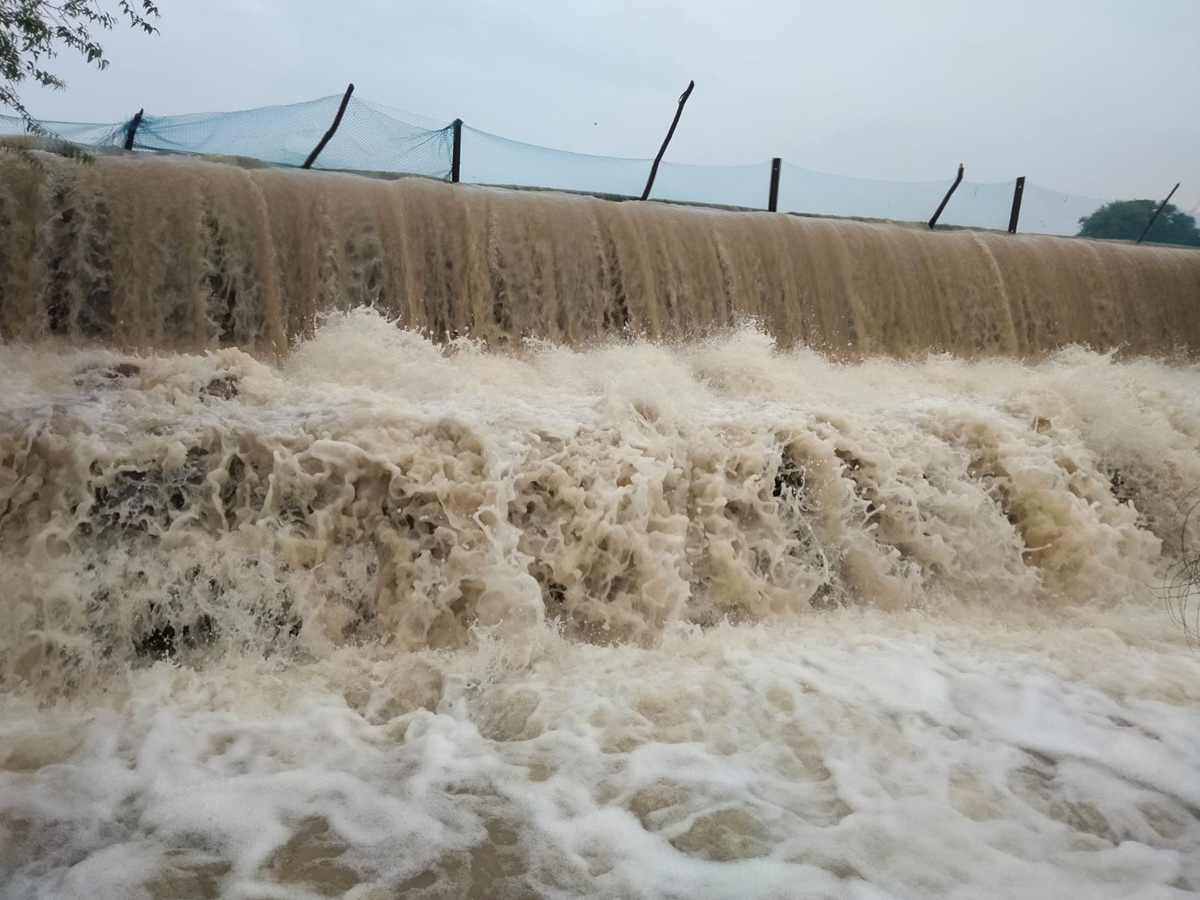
{"x":775,"y":609}
{"x":182,"y":254}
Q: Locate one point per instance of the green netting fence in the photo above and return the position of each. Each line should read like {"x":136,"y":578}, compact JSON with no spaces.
{"x":373,"y":138}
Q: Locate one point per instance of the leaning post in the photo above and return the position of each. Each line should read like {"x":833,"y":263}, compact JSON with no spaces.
{"x":337,"y":120}
{"x":670,"y":133}
{"x":946,"y":199}
{"x":1161,"y":206}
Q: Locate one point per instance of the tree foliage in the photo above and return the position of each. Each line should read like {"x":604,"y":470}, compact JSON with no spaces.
{"x":32,"y":32}
{"x":1126,"y":219}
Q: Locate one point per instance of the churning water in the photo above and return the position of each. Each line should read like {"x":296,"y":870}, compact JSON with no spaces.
{"x":384,"y":617}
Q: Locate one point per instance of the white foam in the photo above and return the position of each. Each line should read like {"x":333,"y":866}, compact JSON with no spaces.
{"x":847,"y":755}
{"x":594,"y":623}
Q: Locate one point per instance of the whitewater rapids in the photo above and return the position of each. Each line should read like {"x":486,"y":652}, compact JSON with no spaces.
{"x":391,"y":619}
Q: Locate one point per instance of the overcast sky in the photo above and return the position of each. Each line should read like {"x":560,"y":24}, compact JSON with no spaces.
{"x":1093,"y":97}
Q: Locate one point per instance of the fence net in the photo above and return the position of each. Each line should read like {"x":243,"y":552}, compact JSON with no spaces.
{"x":378,"y":139}
{"x":83,"y":134}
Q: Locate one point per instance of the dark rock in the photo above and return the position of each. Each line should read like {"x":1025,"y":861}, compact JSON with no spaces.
{"x":106,"y":376}
{"x":789,"y":478}
{"x":223,"y":388}
{"x":162,"y":641}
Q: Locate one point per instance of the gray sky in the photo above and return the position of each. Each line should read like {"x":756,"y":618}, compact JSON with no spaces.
{"x":1093,"y":97}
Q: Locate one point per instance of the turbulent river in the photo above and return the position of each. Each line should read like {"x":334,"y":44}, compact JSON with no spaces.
{"x":548,"y":576}
{"x":397,"y":619}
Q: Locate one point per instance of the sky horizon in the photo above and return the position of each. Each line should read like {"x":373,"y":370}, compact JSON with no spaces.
{"x":1097,"y":99}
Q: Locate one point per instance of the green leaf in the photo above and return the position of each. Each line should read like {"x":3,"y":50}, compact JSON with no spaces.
{"x":35,"y":30}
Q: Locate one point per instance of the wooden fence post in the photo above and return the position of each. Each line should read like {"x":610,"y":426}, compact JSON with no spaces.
{"x":1156,"y":212}
{"x":667,"y":140}
{"x":337,"y":120}
{"x":131,"y":129}
{"x":946,"y":199}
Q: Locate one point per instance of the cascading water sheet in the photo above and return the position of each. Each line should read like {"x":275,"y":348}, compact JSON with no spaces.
{"x":177,"y":253}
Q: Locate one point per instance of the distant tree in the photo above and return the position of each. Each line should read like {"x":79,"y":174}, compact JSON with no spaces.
{"x":33,"y":31}
{"x":1125,"y":220}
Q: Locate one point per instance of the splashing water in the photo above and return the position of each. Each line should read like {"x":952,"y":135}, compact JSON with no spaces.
{"x":393,"y":619}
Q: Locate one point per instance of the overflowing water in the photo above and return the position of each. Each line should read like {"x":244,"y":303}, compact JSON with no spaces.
{"x":154,"y":253}
{"x":390,"y":618}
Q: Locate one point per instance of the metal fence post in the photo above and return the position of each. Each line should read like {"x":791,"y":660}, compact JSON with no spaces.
{"x":1018,"y":193}
{"x":456,"y":155}
{"x":131,"y":129}
{"x":1161,"y":206}
{"x":337,"y":120}
{"x":946,"y":199}
{"x":773,"y":197}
